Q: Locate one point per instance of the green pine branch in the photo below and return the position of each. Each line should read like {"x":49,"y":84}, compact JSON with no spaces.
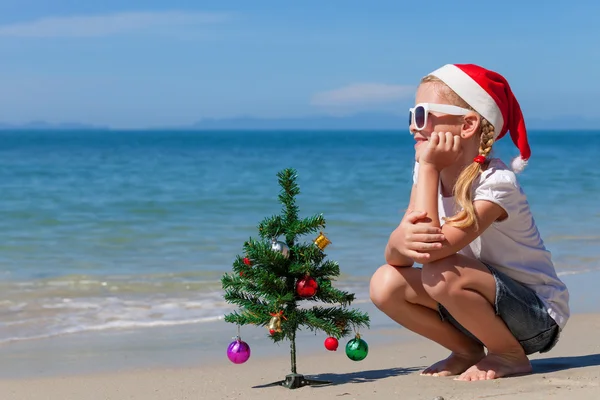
{"x":334,"y":321}
{"x":287,"y":197}
{"x":329,"y":294}
{"x":271,"y":227}
{"x":308,"y":225}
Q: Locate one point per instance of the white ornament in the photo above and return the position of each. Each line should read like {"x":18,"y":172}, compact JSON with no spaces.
{"x":280,"y":247}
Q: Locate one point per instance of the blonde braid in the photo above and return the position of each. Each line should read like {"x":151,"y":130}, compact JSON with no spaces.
{"x":487,"y":138}
{"x":463,"y":189}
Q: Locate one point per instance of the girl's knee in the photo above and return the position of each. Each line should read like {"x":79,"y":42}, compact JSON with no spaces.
{"x":440,"y":278}
{"x":386,"y":285}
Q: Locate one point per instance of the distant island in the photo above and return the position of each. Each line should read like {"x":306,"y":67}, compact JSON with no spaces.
{"x":363,"y":121}
{"x":46,"y":126}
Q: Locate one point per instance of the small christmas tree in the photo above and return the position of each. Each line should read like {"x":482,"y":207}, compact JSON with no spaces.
{"x":273,"y":277}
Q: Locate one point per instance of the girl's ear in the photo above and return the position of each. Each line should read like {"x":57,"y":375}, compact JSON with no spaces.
{"x":470,"y":125}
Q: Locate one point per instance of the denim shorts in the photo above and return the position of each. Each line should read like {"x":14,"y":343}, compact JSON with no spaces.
{"x":523,"y":313}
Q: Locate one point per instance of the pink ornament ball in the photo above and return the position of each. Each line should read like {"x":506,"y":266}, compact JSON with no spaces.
{"x":238,"y":351}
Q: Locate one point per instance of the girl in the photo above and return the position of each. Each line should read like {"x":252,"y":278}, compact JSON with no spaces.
{"x":487,"y":281}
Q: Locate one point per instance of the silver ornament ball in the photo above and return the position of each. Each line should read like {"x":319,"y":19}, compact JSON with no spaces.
{"x":280,"y":247}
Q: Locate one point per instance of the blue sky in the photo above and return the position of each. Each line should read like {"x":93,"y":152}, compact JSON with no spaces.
{"x":148,"y":63}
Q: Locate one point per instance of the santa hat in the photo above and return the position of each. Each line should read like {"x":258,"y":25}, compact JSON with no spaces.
{"x":489,"y":94}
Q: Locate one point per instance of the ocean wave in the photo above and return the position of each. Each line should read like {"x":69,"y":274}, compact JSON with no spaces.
{"x":47,"y":317}
{"x":116,"y":325}
{"x":79,"y":304}
{"x":558,"y":238}
{"x":69,"y":305}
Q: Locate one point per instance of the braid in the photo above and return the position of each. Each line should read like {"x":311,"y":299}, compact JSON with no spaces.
{"x":463,"y":189}
{"x":487,"y":137}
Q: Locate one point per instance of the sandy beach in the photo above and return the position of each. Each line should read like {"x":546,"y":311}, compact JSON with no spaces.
{"x":391,"y":370}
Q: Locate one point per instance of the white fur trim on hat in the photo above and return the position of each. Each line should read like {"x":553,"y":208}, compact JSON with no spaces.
{"x":518,"y":164}
{"x":470,"y":91}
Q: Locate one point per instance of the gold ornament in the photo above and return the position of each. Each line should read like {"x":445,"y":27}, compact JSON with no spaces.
{"x":341,"y":324}
{"x":321,"y":241}
{"x":275,"y":322}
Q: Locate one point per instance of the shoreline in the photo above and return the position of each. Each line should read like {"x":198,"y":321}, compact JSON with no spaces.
{"x":199,"y":345}
{"x":204,"y":345}
{"x":186,"y":346}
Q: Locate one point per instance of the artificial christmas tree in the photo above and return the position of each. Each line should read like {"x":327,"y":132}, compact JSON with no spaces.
{"x":273,"y":280}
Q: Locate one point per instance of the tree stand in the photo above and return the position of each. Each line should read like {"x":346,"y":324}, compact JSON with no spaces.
{"x":295,"y":381}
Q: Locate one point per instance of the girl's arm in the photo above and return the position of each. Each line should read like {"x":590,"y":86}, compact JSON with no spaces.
{"x":410,"y":238}
{"x":392,"y":254}
{"x":426,"y":199}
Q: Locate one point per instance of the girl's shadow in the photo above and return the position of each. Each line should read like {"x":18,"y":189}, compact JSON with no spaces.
{"x":355,"y":377}
{"x":540,"y":366}
{"x":554,"y":364}
{"x":366,"y":376}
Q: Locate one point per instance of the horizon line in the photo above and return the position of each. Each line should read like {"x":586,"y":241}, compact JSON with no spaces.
{"x":193,"y":129}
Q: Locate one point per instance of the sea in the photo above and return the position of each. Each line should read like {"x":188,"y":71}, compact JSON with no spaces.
{"x":125,"y":231}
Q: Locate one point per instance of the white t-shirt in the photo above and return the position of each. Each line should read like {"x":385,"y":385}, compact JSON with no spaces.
{"x":513,"y":245}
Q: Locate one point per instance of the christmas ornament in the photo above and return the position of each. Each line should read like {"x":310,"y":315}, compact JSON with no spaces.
{"x":246,"y":261}
{"x":275,"y":322}
{"x":280,"y":247}
{"x":321,"y":241}
{"x":341,"y":324}
{"x":331,"y":343}
{"x":238,"y":351}
{"x":307,"y":287}
{"x":357,"y":349}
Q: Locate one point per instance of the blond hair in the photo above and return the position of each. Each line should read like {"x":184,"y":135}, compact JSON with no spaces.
{"x":463,"y":189}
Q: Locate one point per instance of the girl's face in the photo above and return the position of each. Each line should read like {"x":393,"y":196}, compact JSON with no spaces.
{"x":430,"y":92}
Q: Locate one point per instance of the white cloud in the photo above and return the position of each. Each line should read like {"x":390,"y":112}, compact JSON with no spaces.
{"x":107,"y":25}
{"x":362,"y":94}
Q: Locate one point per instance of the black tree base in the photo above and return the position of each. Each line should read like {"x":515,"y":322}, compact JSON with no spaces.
{"x":295,"y":381}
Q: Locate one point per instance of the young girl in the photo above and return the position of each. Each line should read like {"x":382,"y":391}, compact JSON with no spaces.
{"x":487,"y":281}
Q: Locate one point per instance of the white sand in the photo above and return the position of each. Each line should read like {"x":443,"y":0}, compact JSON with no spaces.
{"x":570,"y":371}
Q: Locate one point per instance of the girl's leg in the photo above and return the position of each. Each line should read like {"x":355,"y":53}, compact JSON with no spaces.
{"x":467,"y":289}
{"x":399,"y":293}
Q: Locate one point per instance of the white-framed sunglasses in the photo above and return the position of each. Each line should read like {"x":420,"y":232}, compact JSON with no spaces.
{"x":418,"y":114}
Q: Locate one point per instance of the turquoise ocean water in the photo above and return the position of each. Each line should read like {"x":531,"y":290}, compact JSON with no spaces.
{"x":120,"y":231}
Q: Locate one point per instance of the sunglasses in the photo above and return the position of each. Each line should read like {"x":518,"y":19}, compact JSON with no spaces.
{"x":418,"y":114}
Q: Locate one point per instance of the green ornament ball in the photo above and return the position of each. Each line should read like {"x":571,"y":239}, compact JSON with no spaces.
{"x":357,"y":349}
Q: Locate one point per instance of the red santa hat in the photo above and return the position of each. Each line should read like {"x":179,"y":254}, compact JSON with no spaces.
{"x":489,"y":94}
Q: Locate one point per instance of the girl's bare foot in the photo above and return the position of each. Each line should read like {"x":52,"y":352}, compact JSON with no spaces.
{"x":455,"y":364}
{"x":495,"y":366}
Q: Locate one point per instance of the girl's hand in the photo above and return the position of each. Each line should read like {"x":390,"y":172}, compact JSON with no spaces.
{"x":411,"y":239}
{"x":443,"y":150}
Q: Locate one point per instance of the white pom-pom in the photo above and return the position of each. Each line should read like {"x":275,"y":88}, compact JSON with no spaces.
{"x":518,"y":164}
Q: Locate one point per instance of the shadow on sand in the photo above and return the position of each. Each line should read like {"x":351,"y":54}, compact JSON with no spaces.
{"x":357,"y":377}
{"x":540,"y":366}
{"x":554,"y":364}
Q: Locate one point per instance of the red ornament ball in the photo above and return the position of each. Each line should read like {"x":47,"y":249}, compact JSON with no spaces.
{"x":331,"y":343}
{"x":247,"y":261}
{"x":307,"y":287}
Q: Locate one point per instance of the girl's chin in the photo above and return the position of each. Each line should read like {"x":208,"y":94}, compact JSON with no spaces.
{"x":417,"y":154}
